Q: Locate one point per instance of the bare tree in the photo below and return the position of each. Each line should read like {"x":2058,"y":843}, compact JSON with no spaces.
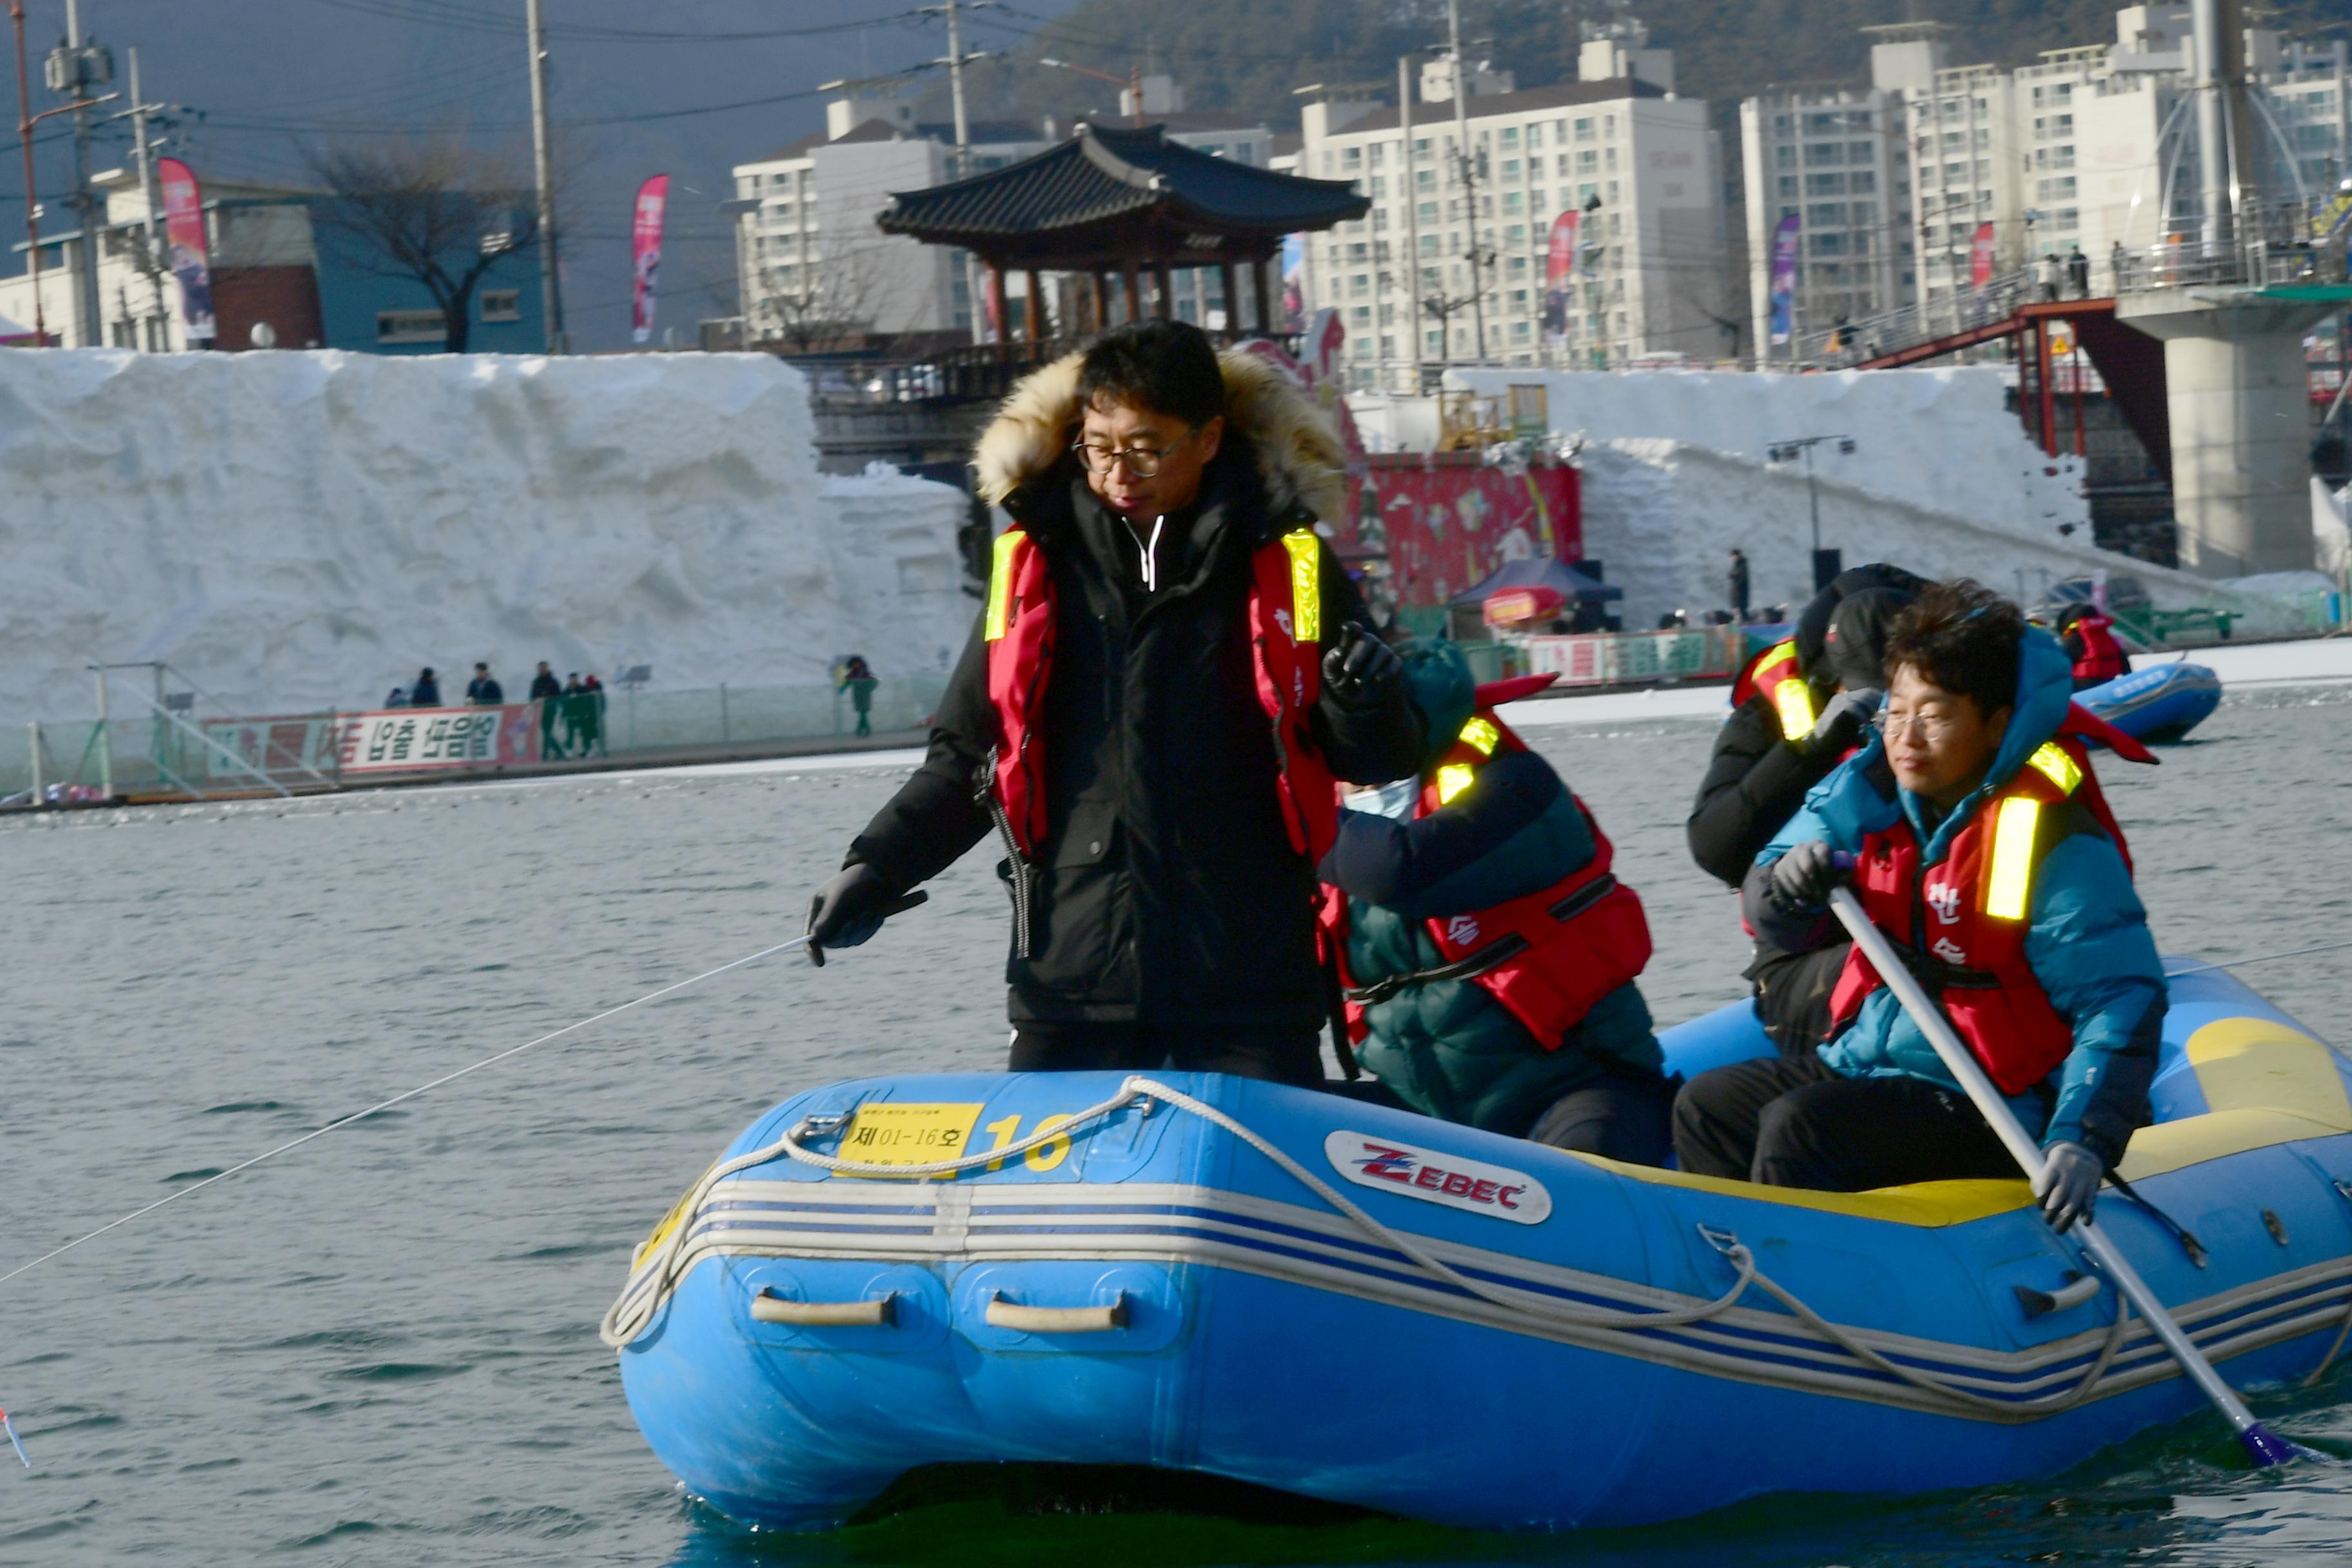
{"x":824,"y":303}
{"x":436,"y":212}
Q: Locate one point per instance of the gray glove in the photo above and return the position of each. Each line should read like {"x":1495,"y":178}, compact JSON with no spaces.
{"x":1801,"y":881}
{"x":1359,"y":670}
{"x":2067,"y":1184}
{"x":847,"y":910}
{"x":1843,"y":718}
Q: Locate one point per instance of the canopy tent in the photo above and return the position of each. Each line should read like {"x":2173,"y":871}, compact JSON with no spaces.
{"x":1536,"y":571}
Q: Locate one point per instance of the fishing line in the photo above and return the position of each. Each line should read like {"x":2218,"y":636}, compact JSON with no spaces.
{"x":2258,"y":958}
{"x":384,"y":1105}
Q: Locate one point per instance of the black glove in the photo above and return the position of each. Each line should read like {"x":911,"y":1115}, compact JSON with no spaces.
{"x":1843,"y":717}
{"x":1359,"y":670}
{"x":1801,"y":881}
{"x":2067,"y":1184}
{"x":847,"y":910}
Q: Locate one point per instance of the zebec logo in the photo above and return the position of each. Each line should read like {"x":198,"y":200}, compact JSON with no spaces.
{"x":1435,"y":1176}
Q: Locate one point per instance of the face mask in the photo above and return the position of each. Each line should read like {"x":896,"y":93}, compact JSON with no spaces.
{"x":1391,"y":800}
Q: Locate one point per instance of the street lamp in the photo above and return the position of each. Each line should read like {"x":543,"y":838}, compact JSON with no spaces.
{"x":1132,"y":81}
{"x":1826,"y":562}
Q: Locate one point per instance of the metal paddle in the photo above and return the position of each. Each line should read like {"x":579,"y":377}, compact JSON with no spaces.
{"x":2266,"y":1448}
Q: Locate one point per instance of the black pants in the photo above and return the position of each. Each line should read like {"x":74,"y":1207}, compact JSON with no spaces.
{"x":1628,"y":1119}
{"x":1790,"y":1121}
{"x":1284,"y":1055}
{"x":1793,"y":994}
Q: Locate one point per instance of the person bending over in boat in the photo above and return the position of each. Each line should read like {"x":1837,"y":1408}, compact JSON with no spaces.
{"x":1988,"y":855}
{"x":1797,"y":710}
{"x":2089,"y":641}
{"x":1489,"y":950}
{"x":1169,"y":672}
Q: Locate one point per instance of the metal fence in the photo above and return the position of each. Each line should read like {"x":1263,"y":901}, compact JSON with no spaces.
{"x":200,"y":756}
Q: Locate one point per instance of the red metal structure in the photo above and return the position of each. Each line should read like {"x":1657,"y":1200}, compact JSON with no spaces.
{"x":2129,"y":361}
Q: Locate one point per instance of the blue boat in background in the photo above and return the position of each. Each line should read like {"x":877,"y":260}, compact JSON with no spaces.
{"x":2158,"y":702}
{"x":1204,"y":1274}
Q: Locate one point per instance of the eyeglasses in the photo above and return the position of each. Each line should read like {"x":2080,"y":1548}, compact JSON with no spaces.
{"x":1141,"y":461}
{"x":1929,"y":728}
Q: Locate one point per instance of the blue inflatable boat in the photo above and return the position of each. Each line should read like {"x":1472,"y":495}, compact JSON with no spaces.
{"x":2160,"y":702}
{"x":1203,"y":1274}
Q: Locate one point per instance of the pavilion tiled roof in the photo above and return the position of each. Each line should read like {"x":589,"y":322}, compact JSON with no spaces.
{"x":1109,"y":174}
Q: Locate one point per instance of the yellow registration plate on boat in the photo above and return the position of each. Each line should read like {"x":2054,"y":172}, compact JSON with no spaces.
{"x":892,"y":1133}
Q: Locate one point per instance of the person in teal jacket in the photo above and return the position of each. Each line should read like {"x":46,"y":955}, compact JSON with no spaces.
{"x":1447,"y":1046}
{"x":1977,"y":700}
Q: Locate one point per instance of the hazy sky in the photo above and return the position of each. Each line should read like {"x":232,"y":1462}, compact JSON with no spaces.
{"x":265,"y":78}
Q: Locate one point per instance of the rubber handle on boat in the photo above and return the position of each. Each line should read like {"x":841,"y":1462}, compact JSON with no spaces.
{"x":879,"y":1313}
{"x":1004,"y":1314}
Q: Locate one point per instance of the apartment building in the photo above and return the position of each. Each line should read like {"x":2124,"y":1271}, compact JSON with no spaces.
{"x":2090,"y":147}
{"x":1457,"y":234}
{"x":2095,"y":147}
{"x":813,"y":269}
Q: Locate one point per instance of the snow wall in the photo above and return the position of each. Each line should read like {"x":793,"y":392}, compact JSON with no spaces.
{"x":303,"y":530}
{"x":1654,"y":513}
{"x":1942,"y":480}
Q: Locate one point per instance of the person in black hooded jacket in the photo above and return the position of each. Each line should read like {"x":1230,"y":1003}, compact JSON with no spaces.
{"x":1760,"y":772}
{"x":1171,"y":917}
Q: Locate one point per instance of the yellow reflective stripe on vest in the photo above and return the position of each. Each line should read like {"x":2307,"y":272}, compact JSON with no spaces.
{"x":2051,"y":761}
{"x":1452,"y":779}
{"x":2011,"y":883}
{"x":1481,"y":736}
{"x":1000,"y":584}
{"x":1780,"y":653}
{"x":1795,"y":701}
{"x":1305,"y":585}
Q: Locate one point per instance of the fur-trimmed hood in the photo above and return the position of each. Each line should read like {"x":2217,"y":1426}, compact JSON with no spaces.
{"x":1299,"y":454}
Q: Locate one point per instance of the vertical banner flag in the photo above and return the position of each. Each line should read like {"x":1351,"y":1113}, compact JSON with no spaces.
{"x":1556,"y":269}
{"x":1291,"y":316}
{"x":1980,"y":257}
{"x":1784,"y":279}
{"x":183,"y":234}
{"x":645,"y":254}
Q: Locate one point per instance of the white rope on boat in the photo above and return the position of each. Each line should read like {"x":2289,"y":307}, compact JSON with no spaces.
{"x":637,"y":1306}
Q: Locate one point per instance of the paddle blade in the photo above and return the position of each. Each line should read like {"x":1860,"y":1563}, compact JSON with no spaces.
{"x":2267,"y":1448}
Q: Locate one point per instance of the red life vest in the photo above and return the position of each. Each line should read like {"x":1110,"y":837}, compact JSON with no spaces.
{"x":1968,"y":915}
{"x":1286,"y":624}
{"x":2101,"y":658}
{"x":1547,"y":957}
{"x":1774,"y":673}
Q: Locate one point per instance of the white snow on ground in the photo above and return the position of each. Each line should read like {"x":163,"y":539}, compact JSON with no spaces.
{"x":304,"y":531}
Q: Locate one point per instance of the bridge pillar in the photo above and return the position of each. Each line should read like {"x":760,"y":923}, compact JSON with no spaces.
{"x":2238,"y":396}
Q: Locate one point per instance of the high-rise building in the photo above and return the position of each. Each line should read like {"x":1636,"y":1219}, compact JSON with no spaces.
{"x":1457,"y":234}
{"x":2089,"y":148}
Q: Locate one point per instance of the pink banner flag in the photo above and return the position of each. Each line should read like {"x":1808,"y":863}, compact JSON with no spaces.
{"x":1558,"y":267}
{"x":183,"y":234}
{"x":645,"y":254}
{"x":1980,"y":257}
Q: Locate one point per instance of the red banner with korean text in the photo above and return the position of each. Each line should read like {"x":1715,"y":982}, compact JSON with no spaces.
{"x":1980,"y":257}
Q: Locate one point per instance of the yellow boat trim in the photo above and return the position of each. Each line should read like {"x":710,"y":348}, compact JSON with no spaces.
{"x":2267,"y":1083}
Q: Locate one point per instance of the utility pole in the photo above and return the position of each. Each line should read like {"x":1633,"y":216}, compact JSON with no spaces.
{"x":75,"y":70}
{"x":550,"y":272}
{"x":1411,"y":222}
{"x":955,"y":63}
{"x":32,"y":196}
{"x":156,"y":269}
{"x":1469,"y":181}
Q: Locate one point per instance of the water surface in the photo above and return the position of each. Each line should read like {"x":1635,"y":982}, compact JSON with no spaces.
{"x":383,"y":1349}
